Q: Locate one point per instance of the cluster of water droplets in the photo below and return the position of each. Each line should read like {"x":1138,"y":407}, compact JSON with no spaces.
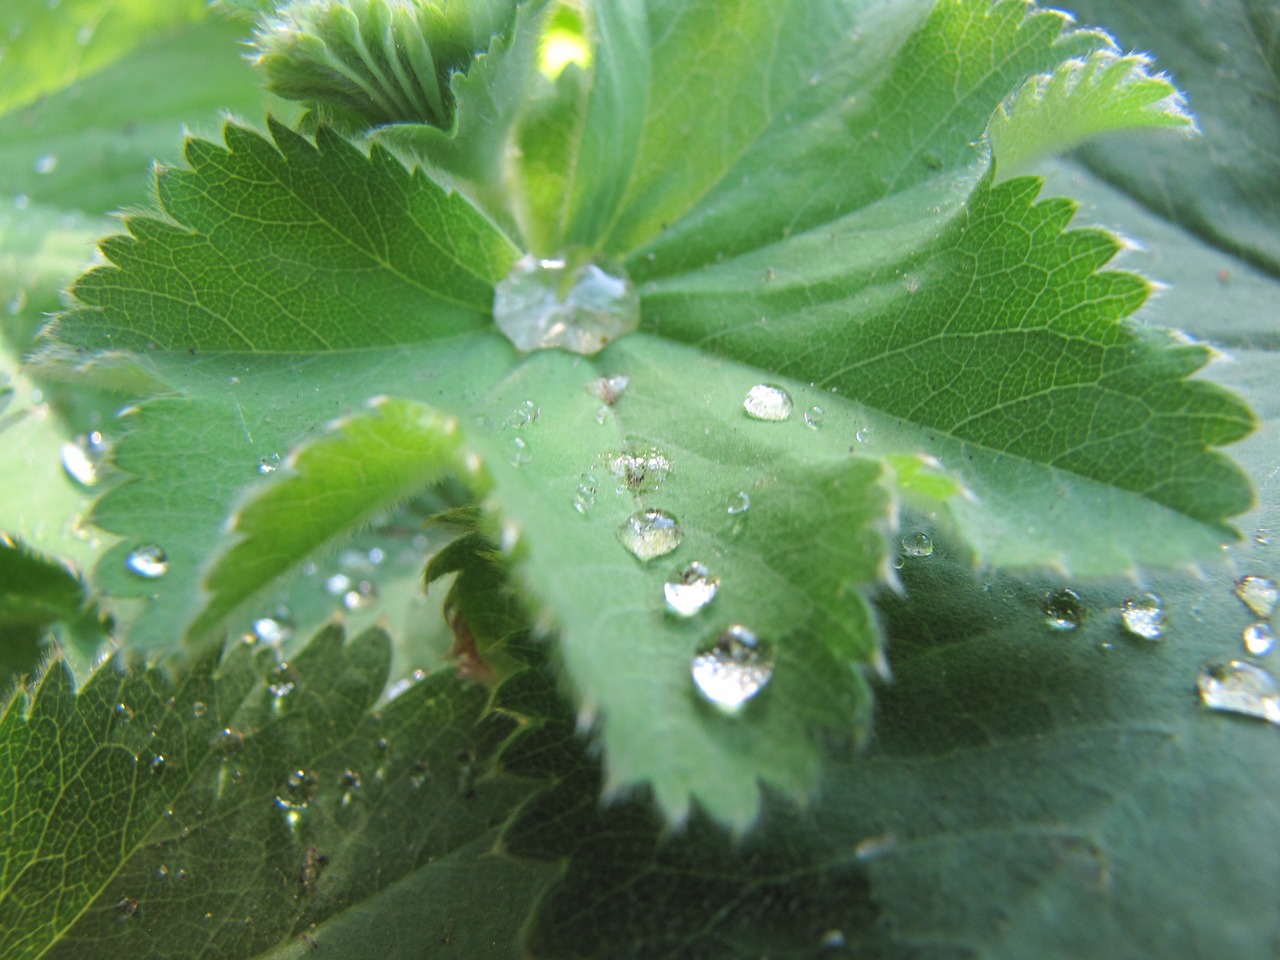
{"x":1238,"y":685}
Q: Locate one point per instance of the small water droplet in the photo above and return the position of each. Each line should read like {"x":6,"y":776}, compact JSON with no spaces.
{"x":283,"y":682}
{"x":46,"y":163}
{"x":650,"y":533}
{"x":269,"y":464}
{"x":640,"y":469}
{"x":917,"y":544}
{"x":162,"y":871}
{"x":1143,"y":616}
{"x":148,"y":561}
{"x":272,"y":630}
{"x":584,"y":495}
{"x":523,"y":415}
{"x":738,"y":503}
{"x":609,"y":390}
{"x":123,"y":713}
{"x":1259,"y":594}
{"x":1238,"y":686}
{"x":864,"y":434}
{"x":733,"y":669}
{"x":299,"y":791}
{"x":1063,"y":610}
{"x":199,"y":708}
{"x":519,"y":452}
{"x":376,"y":556}
{"x":157,"y":764}
{"x":363,"y":595}
{"x":813,"y":417}
{"x":689,"y":590}
{"x":911,"y":282}
{"x":1259,"y":639}
{"x":567,"y":302}
{"x":80,"y":457}
{"x":766,"y":401}
{"x":127,"y":907}
{"x":1262,"y":536}
{"x":337,"y":585}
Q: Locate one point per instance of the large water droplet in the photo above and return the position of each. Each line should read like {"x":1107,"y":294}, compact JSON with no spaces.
{"x":148,"y":561}
{"x":80,"y":458}
{"x":1143,"y":616}
{"x":1239,"y":686}
{"x":765,"y":401}
{"x":565,"y":302}
{"x":691,"y":589}
{"x":640,"y":469}
{"x":1063,"y":610}
{"x":1259,"y":594}
{"x":917,"y":545}
{"x":733,"y":669}
{"x":1259,"y":639}
{"x":650,"y":533}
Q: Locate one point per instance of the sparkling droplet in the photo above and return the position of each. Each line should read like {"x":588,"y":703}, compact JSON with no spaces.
{"x":523,"y":415}
{"x":738,"y":503}
{"x":1239,"y":686}
{"x":46,"y":163}
{"x":1063,"y":610}
{"x":584,"y":496}
{"x":766,"y":401}
{"x":283,"y":682}
{"x":199,"y":708}
{"x":650,"y":533}
{"x":1259,"y":594}
{"x":864,"y":434}
{"x":157,"y":764}
{"x":148,"y":561}
{"x":640,"y":469}
{"x":564,"y":302}
{"x":1144,"y":616}
{"x":272,"y":630}
{"x":299,"y":791}
{"x":269,"y":463}
{"x":917,"y":545}
{"x":733,"y":669}
{"x":609,"y":390}
{"x":80,"y":458}
{"x":1259,"y":639}
{"x":519,"y":452}
{"x":691,"y":589}
{"x":813,"y":417}
{"x":337,"y":585}
{"x":360,"y":597}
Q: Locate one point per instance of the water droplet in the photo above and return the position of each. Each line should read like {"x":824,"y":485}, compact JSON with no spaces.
{"x":733,"y":669}
{"x":1063,"y":610}
{"x":350,"y":780}
{"x":127,"y":907}
{"x":738,"y":503}
{"x":162,"y":871}
{"x":1262,"y":536}
{"x":376,"y":555}
{"x":337,"y":585}
{"x":46,"y":163}
{"x":199,"y":708}
{"x":917,"y":545}
{"x":272,"y":630}
{"x":766,"y":401}
{"x":1239,"y":686}
{"x":299,"y":791}
{"x":864,"y":434}
{"x":1144,"y":616}
{"x":523,"y":415}
{"x":80,"y":457}
{"x":813,"y":417}
{"x":269,"y":464}
{"x":650,"y":533}
{"x":1259,"y":639}
{"x":911,"y":282}
{"x":609,"y":390}
{"x":148,"y":561}
{"x":519,"y":452}
{"x":565,"y":302}
{"x":123,"y":713}
{"x":362,"y":596}
{"x":584,"y":495}
{"x":640,"y":469}
{"x":157,"y":764}
{"x":283,"y":682}
{"x":690,"y":590}
{"x":1259,"y":594}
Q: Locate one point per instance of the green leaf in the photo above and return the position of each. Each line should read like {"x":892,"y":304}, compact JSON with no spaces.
{"x":271,"y":820}
{"x":37,"y":593}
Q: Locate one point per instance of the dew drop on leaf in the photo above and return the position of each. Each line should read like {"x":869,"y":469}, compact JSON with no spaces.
{"x":1238,"y":686}
{"x":1143,"y":616}
{"x":765,"y":401}
{"x":864,"y":434}
{"x":80,"y":457}
{"x":337,"y":584}
{"x":813,"y":417}
{"x":282,"y":682}
{"x":199,"y":708}
{"x":519,"y":452}
{"x":609,"y":390}
{"x":689,"y":590}
{"x":299,"y":791}
{"x":564,"y":302}
{"x":1259,"y":594}
{"x":1063,"y":610}
{"x":157,"y":764}
{"x":272,"y":630}
{"x":269,"y":464}
{"x":1259,"y":639}
{"x":917,"y":545}
{"x":738,"y":503}
{"x":650,"y":533}
{"x":148,"y":561}
{"x":640,"y":469}
{"x":360,"y":597}
{"x":733,"y":669}
{"x":584,"y":495}
{"x":523,"y":415}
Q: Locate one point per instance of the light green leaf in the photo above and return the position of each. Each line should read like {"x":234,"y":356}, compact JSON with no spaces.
{"x":271,"y":820}
{"x":1052,"y":113}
